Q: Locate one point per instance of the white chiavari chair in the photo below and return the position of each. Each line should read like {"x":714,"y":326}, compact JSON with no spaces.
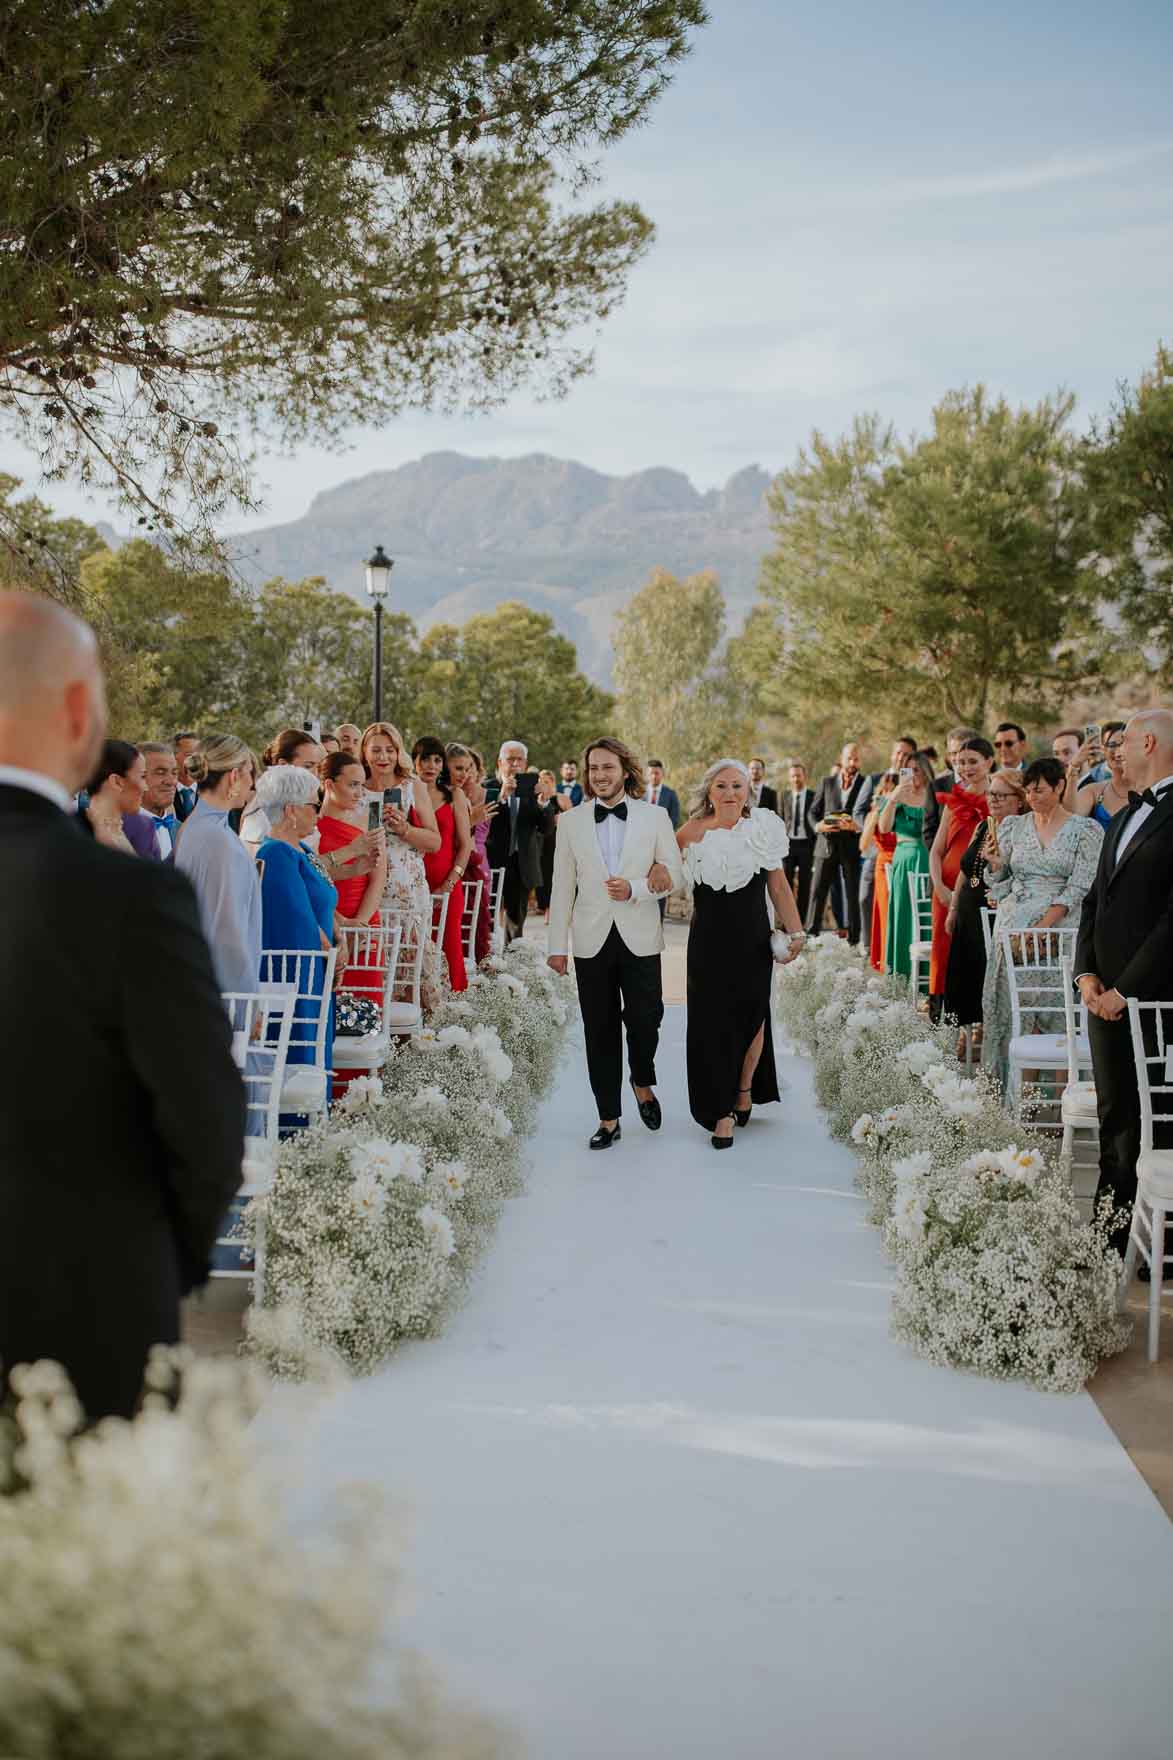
{"x":1077,"y":1104}
{"x":496,"y":888}
{"x":920,"y":887}
{"x":1031,"y":960}
{"x":310,"y":975}
{"x":1151,"y":1026}
{"x":470,"y":915}
{"x":440,"y":903}
{"x":989,"y":918}
{"x":262,"y":1024}
{"x":373,"y":958}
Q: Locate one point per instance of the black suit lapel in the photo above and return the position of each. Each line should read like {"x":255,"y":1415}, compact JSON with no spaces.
{"x":1157,"y":819}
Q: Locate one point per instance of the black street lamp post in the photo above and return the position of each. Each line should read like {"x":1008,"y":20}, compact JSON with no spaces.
{"x":378,"y":584}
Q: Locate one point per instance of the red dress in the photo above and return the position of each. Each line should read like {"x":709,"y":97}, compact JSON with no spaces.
{"x":965,"y":811}
{"x":367,"y":979}
{"x":877,"y":947}
{"x":437,"y":867}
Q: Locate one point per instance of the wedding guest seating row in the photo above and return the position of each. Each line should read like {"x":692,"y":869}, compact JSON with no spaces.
{"x":1151,"y":1026}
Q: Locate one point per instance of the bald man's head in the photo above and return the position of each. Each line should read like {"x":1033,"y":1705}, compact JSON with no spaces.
{"x":52,"y":698}
{"x":1147,"y":747}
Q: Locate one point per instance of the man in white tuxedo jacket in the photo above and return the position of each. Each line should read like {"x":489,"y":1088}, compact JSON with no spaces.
{"x":614,"y":857}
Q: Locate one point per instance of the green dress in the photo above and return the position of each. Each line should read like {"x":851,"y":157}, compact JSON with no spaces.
{"x":909,"y":857}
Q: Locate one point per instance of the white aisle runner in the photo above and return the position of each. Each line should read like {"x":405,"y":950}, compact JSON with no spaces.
{"x":676,"y":1492}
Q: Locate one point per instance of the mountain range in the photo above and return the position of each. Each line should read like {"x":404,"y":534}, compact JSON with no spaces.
{"x":468,"y":533}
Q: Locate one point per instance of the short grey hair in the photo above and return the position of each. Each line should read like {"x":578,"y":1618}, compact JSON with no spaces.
{"x":286,"y":785}
{"x":699,"y":807}
{"x":510,"y":745}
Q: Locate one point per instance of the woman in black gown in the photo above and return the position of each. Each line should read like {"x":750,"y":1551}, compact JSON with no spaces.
{"x":966,"y":971}
{"x":732,"y":856}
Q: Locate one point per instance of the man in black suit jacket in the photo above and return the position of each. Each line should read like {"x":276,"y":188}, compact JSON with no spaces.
{"x":798,"y":816}
{"x":760,"y":792}
{"x":1125,"y":942}
{"x":121,"y":1132}
{"x":837,"y":850}
{"x":515,"y":835}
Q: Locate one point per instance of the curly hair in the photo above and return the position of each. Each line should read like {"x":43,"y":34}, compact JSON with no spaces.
{"x":633,"y":776}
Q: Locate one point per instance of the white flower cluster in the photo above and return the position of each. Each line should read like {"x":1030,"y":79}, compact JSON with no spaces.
{"x":159,"y":1602}
{"x":376,"y":1215}
{"x":996,"y":1272}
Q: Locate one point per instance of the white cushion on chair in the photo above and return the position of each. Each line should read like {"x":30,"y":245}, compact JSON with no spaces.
{"x":1041,"y":1051}
{"x":1154,"y":1176}
{"x":921,"y":950}
{"x":304,"y":1089}
{"x":1078,"y":1101}
{"x":368,"y":1051}
{"x":402,"y":1016}
{"x":258,"y":1166}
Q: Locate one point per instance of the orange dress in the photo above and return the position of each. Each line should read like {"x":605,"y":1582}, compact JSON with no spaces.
{"x":437,"y":867}
{"x":877,"y":946}
{"x":367,"y":979}
{"x":965,"y":811}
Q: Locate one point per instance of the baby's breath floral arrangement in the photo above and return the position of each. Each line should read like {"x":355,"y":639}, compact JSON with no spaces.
{"x":996,"y":1271}
{"x":159,"y":1603}
{"x":378,"y":1213}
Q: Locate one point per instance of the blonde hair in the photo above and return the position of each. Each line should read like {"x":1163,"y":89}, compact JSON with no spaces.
{"x":1012,"y":779}
{"x":216,"y":756}
{"x":389,"y":731}
{"x":700,"y":806}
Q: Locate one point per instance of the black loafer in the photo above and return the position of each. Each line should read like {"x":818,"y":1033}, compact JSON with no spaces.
{"x":603,"y":1138}
{"x":649,"y":1110}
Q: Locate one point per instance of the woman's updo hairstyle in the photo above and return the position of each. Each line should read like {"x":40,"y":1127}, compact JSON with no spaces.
{"x":218,"y":755}
{"x":117,"y":757}
{"x":700,"y":806}
{"x":284,"y":746}
{"x":337,"y":762}
{"x":431,"y":747}
{"x":977,"y":742}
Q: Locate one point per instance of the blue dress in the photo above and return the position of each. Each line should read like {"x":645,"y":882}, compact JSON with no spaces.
{"x":297,"y":908}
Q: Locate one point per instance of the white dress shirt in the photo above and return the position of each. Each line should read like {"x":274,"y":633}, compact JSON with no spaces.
{"x":609,"y":835}
{"x":12,"y":776}
{"x":1141,"y":814}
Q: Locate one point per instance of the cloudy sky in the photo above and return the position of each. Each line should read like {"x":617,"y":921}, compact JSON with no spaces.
{"x":859,"y":205}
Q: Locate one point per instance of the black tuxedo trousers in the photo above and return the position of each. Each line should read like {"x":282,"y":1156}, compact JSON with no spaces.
{"x":1126,"y":940}
{"x":619,"y":990}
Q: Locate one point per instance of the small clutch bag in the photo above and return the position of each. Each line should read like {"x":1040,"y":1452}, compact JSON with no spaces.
{"x":780,"y":944}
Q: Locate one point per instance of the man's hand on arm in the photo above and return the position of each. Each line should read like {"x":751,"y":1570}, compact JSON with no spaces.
{"x":557,"y":962}
{"x":659,"y":879}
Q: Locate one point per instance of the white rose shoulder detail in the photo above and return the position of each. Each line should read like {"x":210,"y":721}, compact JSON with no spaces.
{"x":727,"y":860}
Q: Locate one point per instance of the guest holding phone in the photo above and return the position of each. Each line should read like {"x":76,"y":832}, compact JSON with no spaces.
{"x":965,"y":808}
{"x":412,"y":833}
{"x":903,"y":813}
{"x":515,"y":836}
{"x":467,"y":770}
{"x":1101,"y":797}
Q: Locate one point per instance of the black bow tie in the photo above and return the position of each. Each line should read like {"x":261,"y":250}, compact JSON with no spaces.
{"x":1145,"y":799}
{"x":602,"y":812}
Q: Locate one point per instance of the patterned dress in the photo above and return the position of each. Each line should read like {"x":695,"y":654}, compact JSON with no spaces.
{"x":1033,"y":877}
{"x":408,"y":896}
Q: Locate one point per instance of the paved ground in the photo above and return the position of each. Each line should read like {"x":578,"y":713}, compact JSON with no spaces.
{"x":675,"y":1490}
{"x":1134,"y":1396}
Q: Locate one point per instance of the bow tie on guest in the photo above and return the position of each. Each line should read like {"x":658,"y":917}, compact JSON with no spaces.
{"x":602,"y":813}
{"x":168,"y":821}
{"x":1145,"y":799}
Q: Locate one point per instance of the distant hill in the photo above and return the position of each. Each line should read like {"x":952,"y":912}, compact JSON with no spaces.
{"x":467,"y":533}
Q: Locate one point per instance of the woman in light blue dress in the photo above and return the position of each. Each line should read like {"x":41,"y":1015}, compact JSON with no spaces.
{"x":219,"y":867}
{"x":1048,"y":860}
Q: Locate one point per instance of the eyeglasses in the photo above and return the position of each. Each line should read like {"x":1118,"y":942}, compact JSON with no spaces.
{"x":998,"y":794}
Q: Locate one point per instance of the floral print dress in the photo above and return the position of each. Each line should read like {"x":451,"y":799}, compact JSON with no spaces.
{"x":408,"y":896}
{"x":1034,"y":877}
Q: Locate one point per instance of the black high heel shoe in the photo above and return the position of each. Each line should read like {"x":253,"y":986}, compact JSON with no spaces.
{"x":742,"y":1118}
{"x":723,"y":1142}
